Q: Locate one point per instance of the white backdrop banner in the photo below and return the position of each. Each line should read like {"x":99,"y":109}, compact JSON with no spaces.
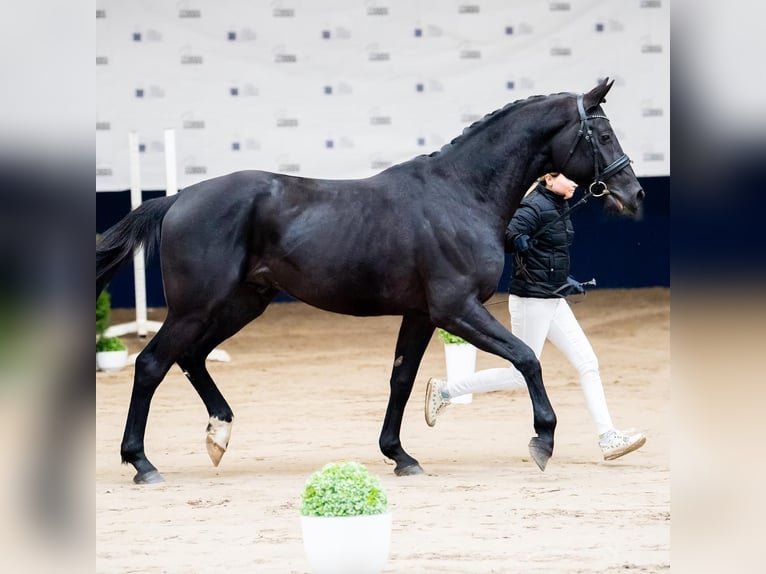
{"x":345,"y":88}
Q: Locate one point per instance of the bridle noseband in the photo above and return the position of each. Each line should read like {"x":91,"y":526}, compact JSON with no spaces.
{"x":597,"y":188}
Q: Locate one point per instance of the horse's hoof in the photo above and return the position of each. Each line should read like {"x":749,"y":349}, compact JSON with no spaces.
{"x":215,"y":452}
{"x":151,"y":477}
{"x":217,"y":437}
{"x":540,"y":452}
{"x":410,"y":470}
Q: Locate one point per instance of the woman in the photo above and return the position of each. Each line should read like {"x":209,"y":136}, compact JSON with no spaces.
{"x":540,"y":234}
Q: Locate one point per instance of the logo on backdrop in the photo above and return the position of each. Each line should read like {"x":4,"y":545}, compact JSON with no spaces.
{"x":469,"y":52}
{"x":340,"y":89}
{"x":186,"y":11}
{"x":520,"y":29}
{"x":156,"y":146}
{"x":431,"y":31}
{"x":524,"y":84}
{"x":189,"y":122}
{"x":463,"y":8}
{"x":376,"y":9}
{"x":610,"y":26}
{"x":243,"y":35}
{"x":151,"y":92}
{"x":378,"y":163}
{"x":101,"y":13}
{"x":187,"y":56}
{"x":102,"y":61}
{"x":342,"y":142}
{"x":561,"y":51}
{"x":650,"y":47}
{"x":287,"y":165}
{"x":338,"y":33}
{"x":375,"y":54}
{"x":651,"y":4}
{"x":103,"y":126}
{"x":559,"y":6}
{"x":653,"y":156}
{"x":378,"y":119}
{"x":285,"y":121}
{"x":280,"y":10}
{"x":149,"y":35}
{"x":103,"y":170}
{"x":193,"y":167}
{"x":430,"y":85}
{"x":249,"y":144}
{"x":651,"y":111}
{"x":282,"y":56}
{"x":246,"y":90}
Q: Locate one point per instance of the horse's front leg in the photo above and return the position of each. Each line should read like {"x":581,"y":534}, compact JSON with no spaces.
{"x":414,"y":335}
{"x":477,"y":326}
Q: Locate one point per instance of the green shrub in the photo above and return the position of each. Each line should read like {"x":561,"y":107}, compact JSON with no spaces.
{"x":448,"y":338}
{"x":343,"y":489}
{"x":103,"y":312}
{"x":109,"y":344}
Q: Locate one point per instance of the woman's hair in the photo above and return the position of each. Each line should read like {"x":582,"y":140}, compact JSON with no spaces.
{"x":541,"y":179}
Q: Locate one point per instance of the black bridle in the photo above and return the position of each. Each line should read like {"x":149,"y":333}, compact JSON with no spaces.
{"x":598,"y":187}
{"x":599,"y":177}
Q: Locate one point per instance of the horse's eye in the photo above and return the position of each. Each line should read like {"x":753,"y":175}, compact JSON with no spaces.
{"x":603,"y":138}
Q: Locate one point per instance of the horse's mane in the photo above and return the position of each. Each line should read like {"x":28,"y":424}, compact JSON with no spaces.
{"x":488,"y":119}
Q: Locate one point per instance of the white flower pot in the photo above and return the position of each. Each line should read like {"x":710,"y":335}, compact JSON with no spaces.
{"x":347,"y":544}
{"x":461,"y":363}
{"x":111,"y":360}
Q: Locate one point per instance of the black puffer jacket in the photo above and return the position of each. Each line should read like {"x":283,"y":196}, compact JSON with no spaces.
{"x":544,"y":268}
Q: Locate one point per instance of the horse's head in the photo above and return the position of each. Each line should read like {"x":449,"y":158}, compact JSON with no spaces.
{"x":587,"y":151}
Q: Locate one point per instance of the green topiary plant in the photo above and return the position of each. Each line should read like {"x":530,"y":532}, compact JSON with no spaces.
{"x":449,"y":339}
{"x":103,"y":316}
{"x":343,"y":489}
{"x":103,"y":312}
{"x":105,"y":344}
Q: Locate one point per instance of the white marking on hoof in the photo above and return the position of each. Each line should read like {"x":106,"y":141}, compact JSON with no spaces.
{"x":217,"y":439}
{"x":219,"y":355}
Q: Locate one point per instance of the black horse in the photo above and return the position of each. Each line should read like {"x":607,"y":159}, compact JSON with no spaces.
{"x":423,"y":239}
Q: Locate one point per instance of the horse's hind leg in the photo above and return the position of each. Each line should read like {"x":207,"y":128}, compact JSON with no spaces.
{"x":152,"y":364}
{"x":237,"y":312}
{"x":414,"y":335}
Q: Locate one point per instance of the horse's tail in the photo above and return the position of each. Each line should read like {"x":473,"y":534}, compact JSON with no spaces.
{"x":141,"y":227}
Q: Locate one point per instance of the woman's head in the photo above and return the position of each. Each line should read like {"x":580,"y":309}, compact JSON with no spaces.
{"x":559,"y":184}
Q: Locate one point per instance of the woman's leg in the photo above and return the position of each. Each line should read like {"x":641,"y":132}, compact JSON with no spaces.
{"x":529,"y":321}
{"x":567,"y":335}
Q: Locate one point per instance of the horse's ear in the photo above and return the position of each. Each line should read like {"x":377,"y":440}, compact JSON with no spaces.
{"x":597,"y":94}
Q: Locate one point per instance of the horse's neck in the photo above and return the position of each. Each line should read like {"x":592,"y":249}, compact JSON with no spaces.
{"x":502,"y":160}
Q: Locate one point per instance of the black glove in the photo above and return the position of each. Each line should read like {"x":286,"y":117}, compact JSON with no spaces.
{"x":521,"y":243}
{"x":574,"y":287}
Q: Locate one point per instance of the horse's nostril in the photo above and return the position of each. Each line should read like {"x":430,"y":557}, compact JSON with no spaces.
{"x":640,"y":195}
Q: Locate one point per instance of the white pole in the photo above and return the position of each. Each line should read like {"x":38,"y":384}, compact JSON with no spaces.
{"x":141,"y":325}
{"x":171,"y":176}
{"x":139,"y":263}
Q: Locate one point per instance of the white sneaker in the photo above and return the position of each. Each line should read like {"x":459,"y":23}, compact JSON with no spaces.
{"x":615,"y":443}
{"x":435,"y":403}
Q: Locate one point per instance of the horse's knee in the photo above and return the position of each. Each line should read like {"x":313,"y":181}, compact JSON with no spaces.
{"x":527,"y":363}
{"x":149,"y":372}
